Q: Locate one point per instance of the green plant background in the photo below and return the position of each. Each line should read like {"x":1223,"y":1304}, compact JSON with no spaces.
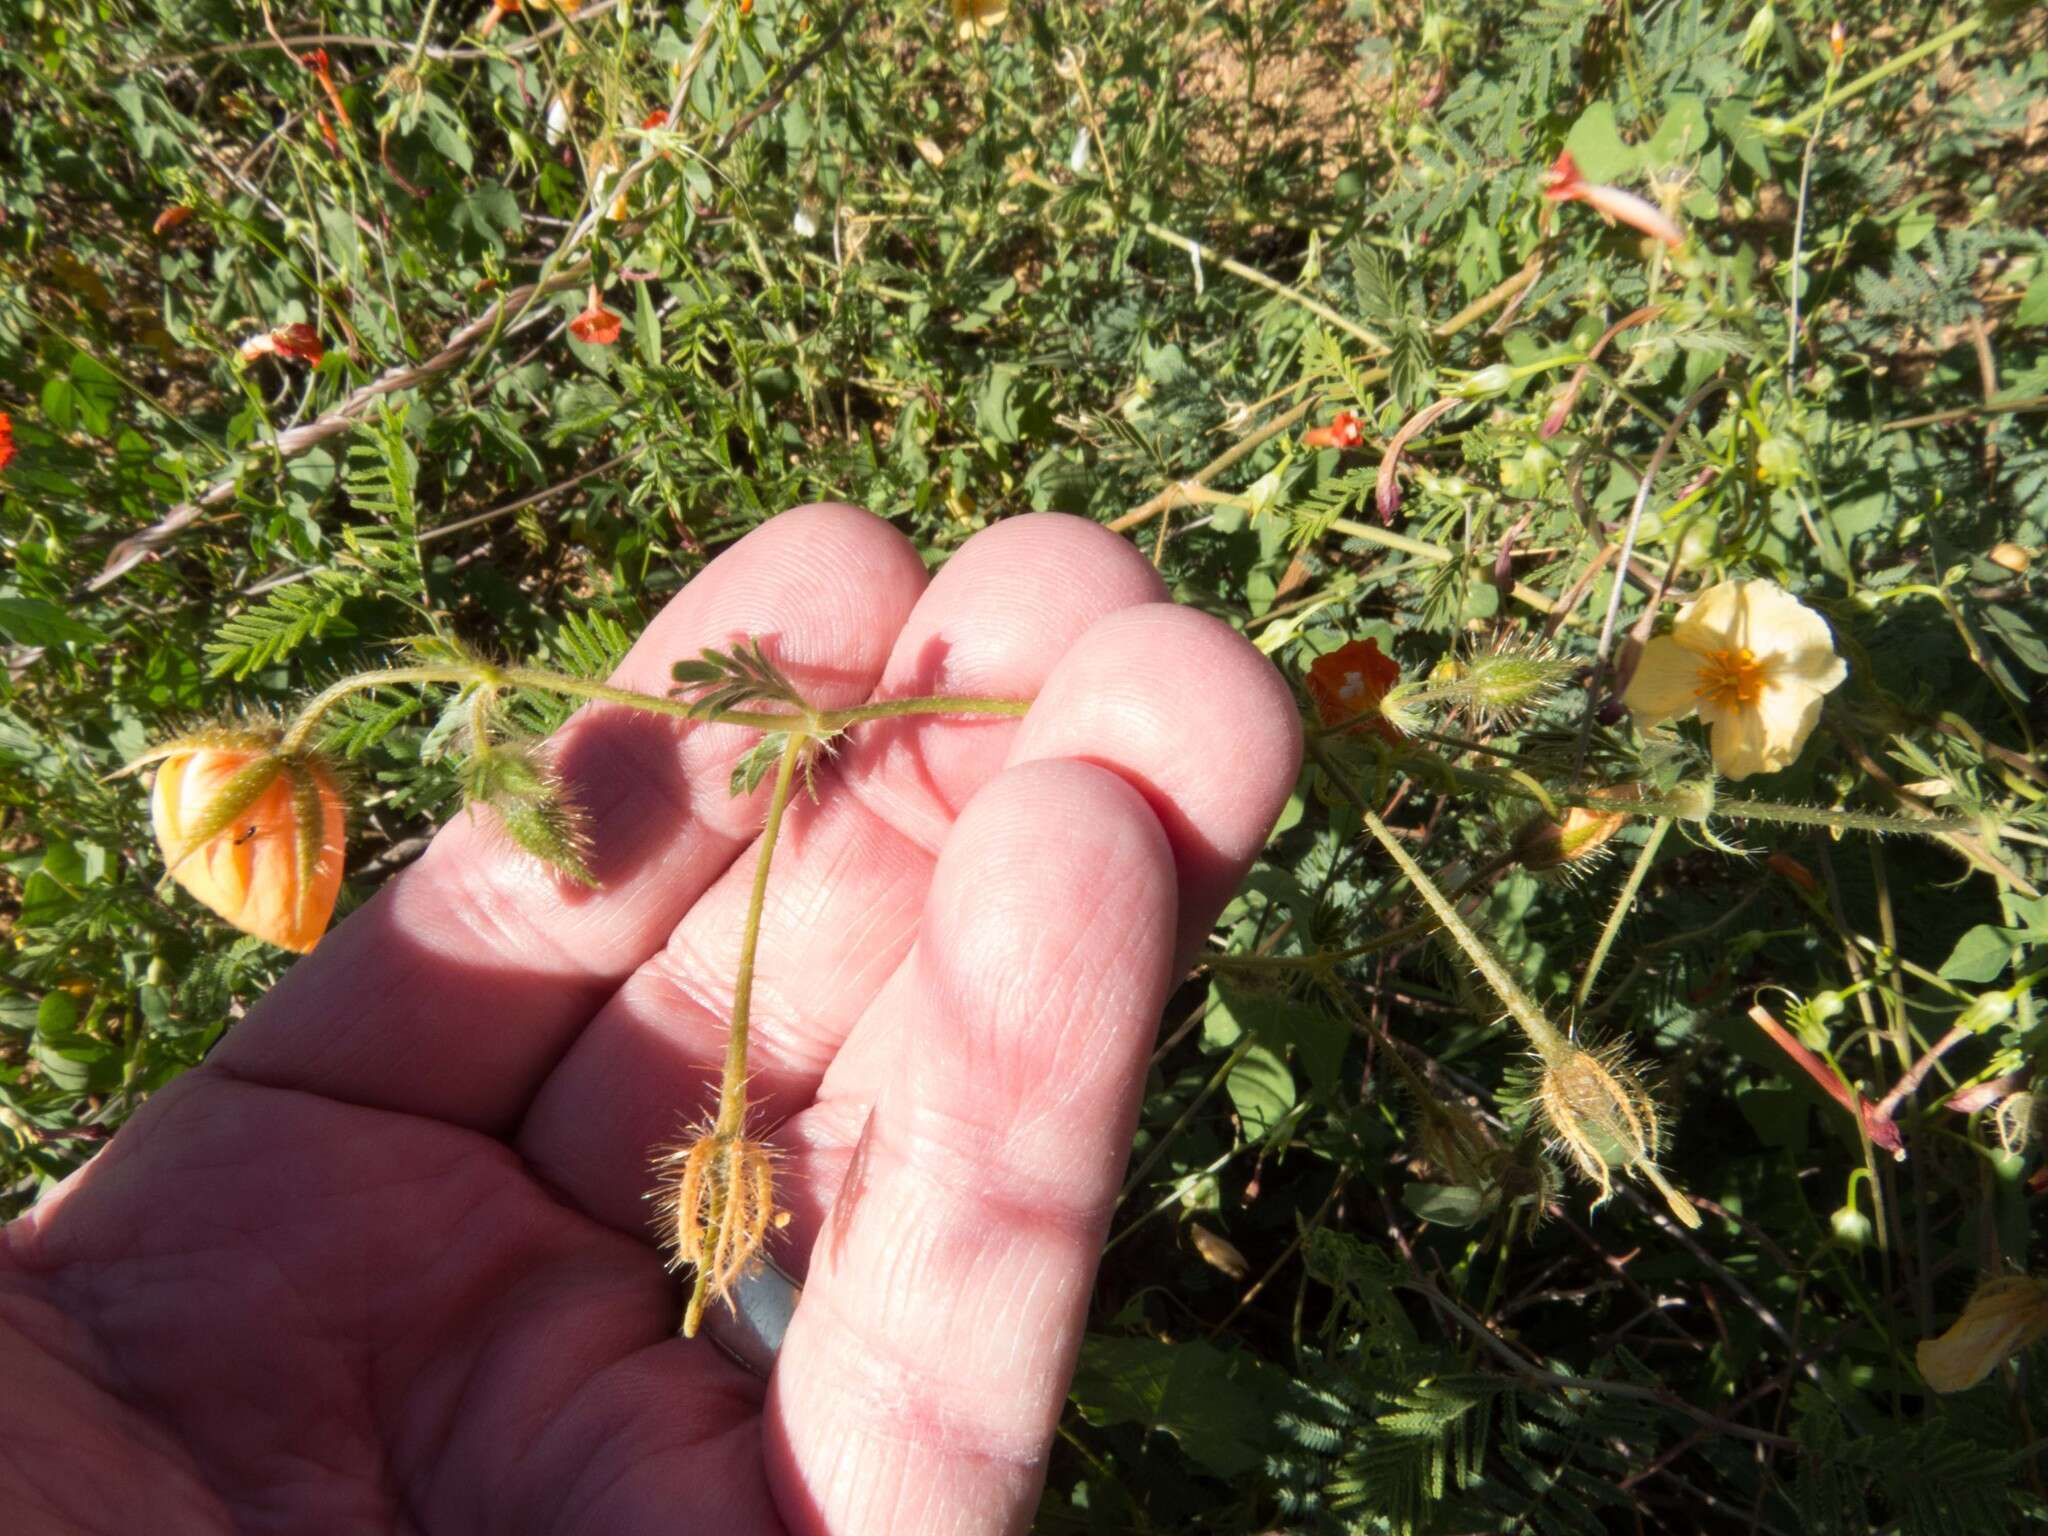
{"x":876,"y":262}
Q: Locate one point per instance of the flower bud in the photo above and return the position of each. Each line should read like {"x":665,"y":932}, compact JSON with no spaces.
{"x":1851,"y":1227}
{"x":2007,"y":1314}
{"x":253,"y":832}
{"x":1581,"y":838}
{"x":1491,"y":380}
{"x":1757,"y":35}
{"x":1987,"y":1010}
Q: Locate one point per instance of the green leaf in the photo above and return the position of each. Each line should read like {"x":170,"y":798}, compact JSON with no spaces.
{"x":1219,"y":1405}
{"x":1680,"y":137}
{"x":445,"y":132}
{"x":31,"y":621}
{"x":1982,"y":954}
{"x":2033,"y":308}
{"x":1317,"y":1038}
{"x":1595,"y":143}
{"x":492,"y":212}
{"x":1261,"y":1089}
{"x":1447,"y":1205}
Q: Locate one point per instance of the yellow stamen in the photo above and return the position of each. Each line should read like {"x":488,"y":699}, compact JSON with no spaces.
{"x":1730,"y":679}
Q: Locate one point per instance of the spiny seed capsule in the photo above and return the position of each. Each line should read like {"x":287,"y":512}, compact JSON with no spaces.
{"x":1600,"y":1115}
{"x":718,"y":1202}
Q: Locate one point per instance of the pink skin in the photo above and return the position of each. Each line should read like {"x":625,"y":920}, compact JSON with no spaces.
{"x":384,"y":1263}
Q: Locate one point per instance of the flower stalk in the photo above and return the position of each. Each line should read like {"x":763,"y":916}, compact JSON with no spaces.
{"x":1599,"y":1113}
{"x":724,"y":1202}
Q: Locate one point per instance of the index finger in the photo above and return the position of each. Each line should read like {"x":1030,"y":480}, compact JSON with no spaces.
{"x":455,"y":991}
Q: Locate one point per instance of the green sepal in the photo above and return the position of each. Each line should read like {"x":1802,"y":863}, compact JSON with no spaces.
{"x":533,"y":806}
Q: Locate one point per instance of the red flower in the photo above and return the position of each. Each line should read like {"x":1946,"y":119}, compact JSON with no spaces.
{"x":323,"y":67}
{"x":658,"y":118}
{"x":1349,"y":683}
{"x":297,"y":340}
{"x":1345,"y":431}
{"x":170,"y":218}
{"x":6,"y":439}
{"x":597,"y":326}
{"x":1565,"y":185}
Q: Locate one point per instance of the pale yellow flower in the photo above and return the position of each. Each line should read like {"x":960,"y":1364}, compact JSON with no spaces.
{"x":978,"y":18}
{"x":2004,"y":1316}
{"x":1753,"y":661}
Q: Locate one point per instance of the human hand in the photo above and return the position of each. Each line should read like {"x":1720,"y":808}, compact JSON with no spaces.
{"x":385,"y":1264}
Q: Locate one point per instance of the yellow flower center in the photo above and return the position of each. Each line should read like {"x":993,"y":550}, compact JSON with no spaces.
{"x":1730,"y":679}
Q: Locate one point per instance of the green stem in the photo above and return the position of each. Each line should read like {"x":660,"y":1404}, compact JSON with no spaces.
{"x":1366,"y":532}
{"x":1321,"y":961}
{"x":1543,"y":1035}
{"x":1622,"y":903}
{"x":1253,"y":275}
{"x":1705,"y":808}
{"x":809,"y":723}
{"x":731,"y":1124}
{"x":301,"y":728}
{"x":732,"y":1088}
{"x":1883,"y":72}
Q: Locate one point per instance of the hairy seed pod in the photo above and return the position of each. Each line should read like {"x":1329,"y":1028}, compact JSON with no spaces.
{"x":1602,"y":1117}
{"x":718,"y":1203}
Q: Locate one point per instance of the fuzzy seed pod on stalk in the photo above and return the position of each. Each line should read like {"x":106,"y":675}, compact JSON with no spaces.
{"x":1602,"y":1117}
{"x":1596,"y":1107}
{"x":717,"y":1204}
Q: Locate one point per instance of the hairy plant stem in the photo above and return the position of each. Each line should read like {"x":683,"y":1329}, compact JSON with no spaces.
{"x":1622,"y":903}
{"x":732,"y":1088}
{"x":731,"y":1123}
{"x":1684,"y":808}
{"x":819,"y":724}
{"x":1544,"y":1036}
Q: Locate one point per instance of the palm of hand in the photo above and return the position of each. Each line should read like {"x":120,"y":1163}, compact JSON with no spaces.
{"x":385,"y":1263}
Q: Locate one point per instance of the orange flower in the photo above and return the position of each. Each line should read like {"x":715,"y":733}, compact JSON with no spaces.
{"x":1349,"y":683}
{"x":297,"y":340}
{"x":254,"y":833}
{"x":500,"y":9}
{"x":323,"y":69}
{"x":6,"y":439}
{"x":170,"y":218}
{"x":1565,"y":185}
{"x":597,"y":325}
{"x":1345,"y":431}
